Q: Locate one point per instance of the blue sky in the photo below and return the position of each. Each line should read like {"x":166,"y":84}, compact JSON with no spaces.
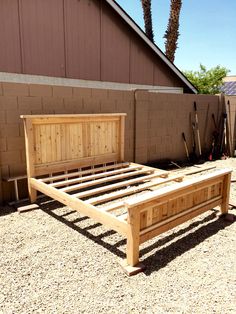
{"x":207,"y":31}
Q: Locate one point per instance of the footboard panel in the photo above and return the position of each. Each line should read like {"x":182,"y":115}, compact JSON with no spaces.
{"x":164,"y":210}
{"x":161,"y":210}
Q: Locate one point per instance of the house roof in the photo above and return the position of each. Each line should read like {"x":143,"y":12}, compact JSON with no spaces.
{"x":229,"y":88}
{"x":143,"y":36}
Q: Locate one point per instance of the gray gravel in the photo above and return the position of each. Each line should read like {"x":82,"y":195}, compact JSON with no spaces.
{"x":52,"y":260}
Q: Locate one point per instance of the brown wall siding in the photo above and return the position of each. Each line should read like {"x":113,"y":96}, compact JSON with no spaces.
{"x":141,"y":64}
{"x":115,"y":48}
{"x":76,"y":39}
{"x":42,"y":37}
{"x":82,"y":33}
{"x":10,"y":52}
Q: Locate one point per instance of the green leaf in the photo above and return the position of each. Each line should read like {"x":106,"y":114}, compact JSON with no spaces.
{"x":207,"y":81}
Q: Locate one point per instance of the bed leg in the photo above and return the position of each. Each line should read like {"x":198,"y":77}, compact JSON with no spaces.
{"x":131,"y":265}
{"x":225,"y":196}
{"x":32,"y":194}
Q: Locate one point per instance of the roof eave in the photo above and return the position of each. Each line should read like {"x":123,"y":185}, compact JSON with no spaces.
{"x":139,"y":31}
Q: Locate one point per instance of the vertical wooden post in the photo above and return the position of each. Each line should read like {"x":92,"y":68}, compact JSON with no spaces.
{"x":132,"y":249}
{"x":122,"y":138}
{"x":29,"y":147}
{"x":225,"y":194}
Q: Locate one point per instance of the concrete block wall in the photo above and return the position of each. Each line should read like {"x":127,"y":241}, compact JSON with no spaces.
{"x":154,"y":122}
{"x":161,"y":119}
{"x":17,"y":99}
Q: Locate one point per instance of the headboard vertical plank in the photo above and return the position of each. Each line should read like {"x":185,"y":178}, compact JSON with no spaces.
{"x":122,"y":138}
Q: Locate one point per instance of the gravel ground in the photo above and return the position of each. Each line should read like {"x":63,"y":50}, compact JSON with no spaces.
{"x":52,"y":260}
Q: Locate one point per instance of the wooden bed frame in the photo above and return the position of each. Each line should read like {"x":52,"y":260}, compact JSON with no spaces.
{"x":78,"y":160}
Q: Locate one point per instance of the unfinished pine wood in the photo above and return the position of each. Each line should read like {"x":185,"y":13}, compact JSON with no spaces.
{"x":105,"y":180}
{"x":30,"y":157}
{"x":77,"y":204}
{"x":115,"y":186}
{"x":60,"y":141}
{"x":132,"y":190}
{"x":57,"y":144}
{"x":97,"y":176}
{"x":80,"y":173}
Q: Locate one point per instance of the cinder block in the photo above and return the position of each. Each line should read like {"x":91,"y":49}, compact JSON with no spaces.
{"x":15,"y":89}
{"x":3,"y":145}
{"x":2,"y":116}
{"x":108,"y":106}
{"x":62,"y":91}
{"x":8,"y":158}
{"x":21,"y":129}
{"x":141,"y":156}
{"x":92,"y":106}
{"x":11,"y":129}
{"x":40,"y":90}
{"x":7,"y":191}
{"x":8,"y":103}
{"x":142,"y":95}
{"x":129,"y":155}
{"x":82,"y":92}
{"x":74,"y":105}
{"x":15,"y":143}
{"x":52,"y":105}
{"x":128,"y":95}
{"x":23,"y":156}
{"x":4,"y":171}
{"x":99,"y":93}
{"x":115,"y":95}
{"x":17,"y":169}
{"x":13,"y":116}
{"x":29,"y":103}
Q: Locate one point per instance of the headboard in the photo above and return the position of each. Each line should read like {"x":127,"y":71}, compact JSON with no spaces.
{"x":62,"y":142}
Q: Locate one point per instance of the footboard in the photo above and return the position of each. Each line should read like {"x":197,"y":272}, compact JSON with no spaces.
{"x":163,"y":209}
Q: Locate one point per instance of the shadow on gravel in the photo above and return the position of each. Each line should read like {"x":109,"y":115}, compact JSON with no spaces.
{"x":49,"y":207}
{"x":165,"y":255}
{"x":6,"y":210}
{"x":162,"y":256}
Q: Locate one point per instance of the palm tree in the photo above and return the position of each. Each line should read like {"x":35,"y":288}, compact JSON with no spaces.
{"x":147,"y":15}
{"x":172,"y":32}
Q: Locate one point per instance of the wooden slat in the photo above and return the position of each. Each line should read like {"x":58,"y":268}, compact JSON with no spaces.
{"x":83,"y":172}
{"x":115,"y":186}
{"x":76,"y":204}
{"x":103,"y":180}
{"x":95,"y":176}
{"x":72,"y":164}
{"x":131,"y":190}
{"x":113,"y":206}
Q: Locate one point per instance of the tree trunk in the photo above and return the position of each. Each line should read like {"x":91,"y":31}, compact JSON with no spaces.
{"x":147,"y":15}
{"x":172,"y":32}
